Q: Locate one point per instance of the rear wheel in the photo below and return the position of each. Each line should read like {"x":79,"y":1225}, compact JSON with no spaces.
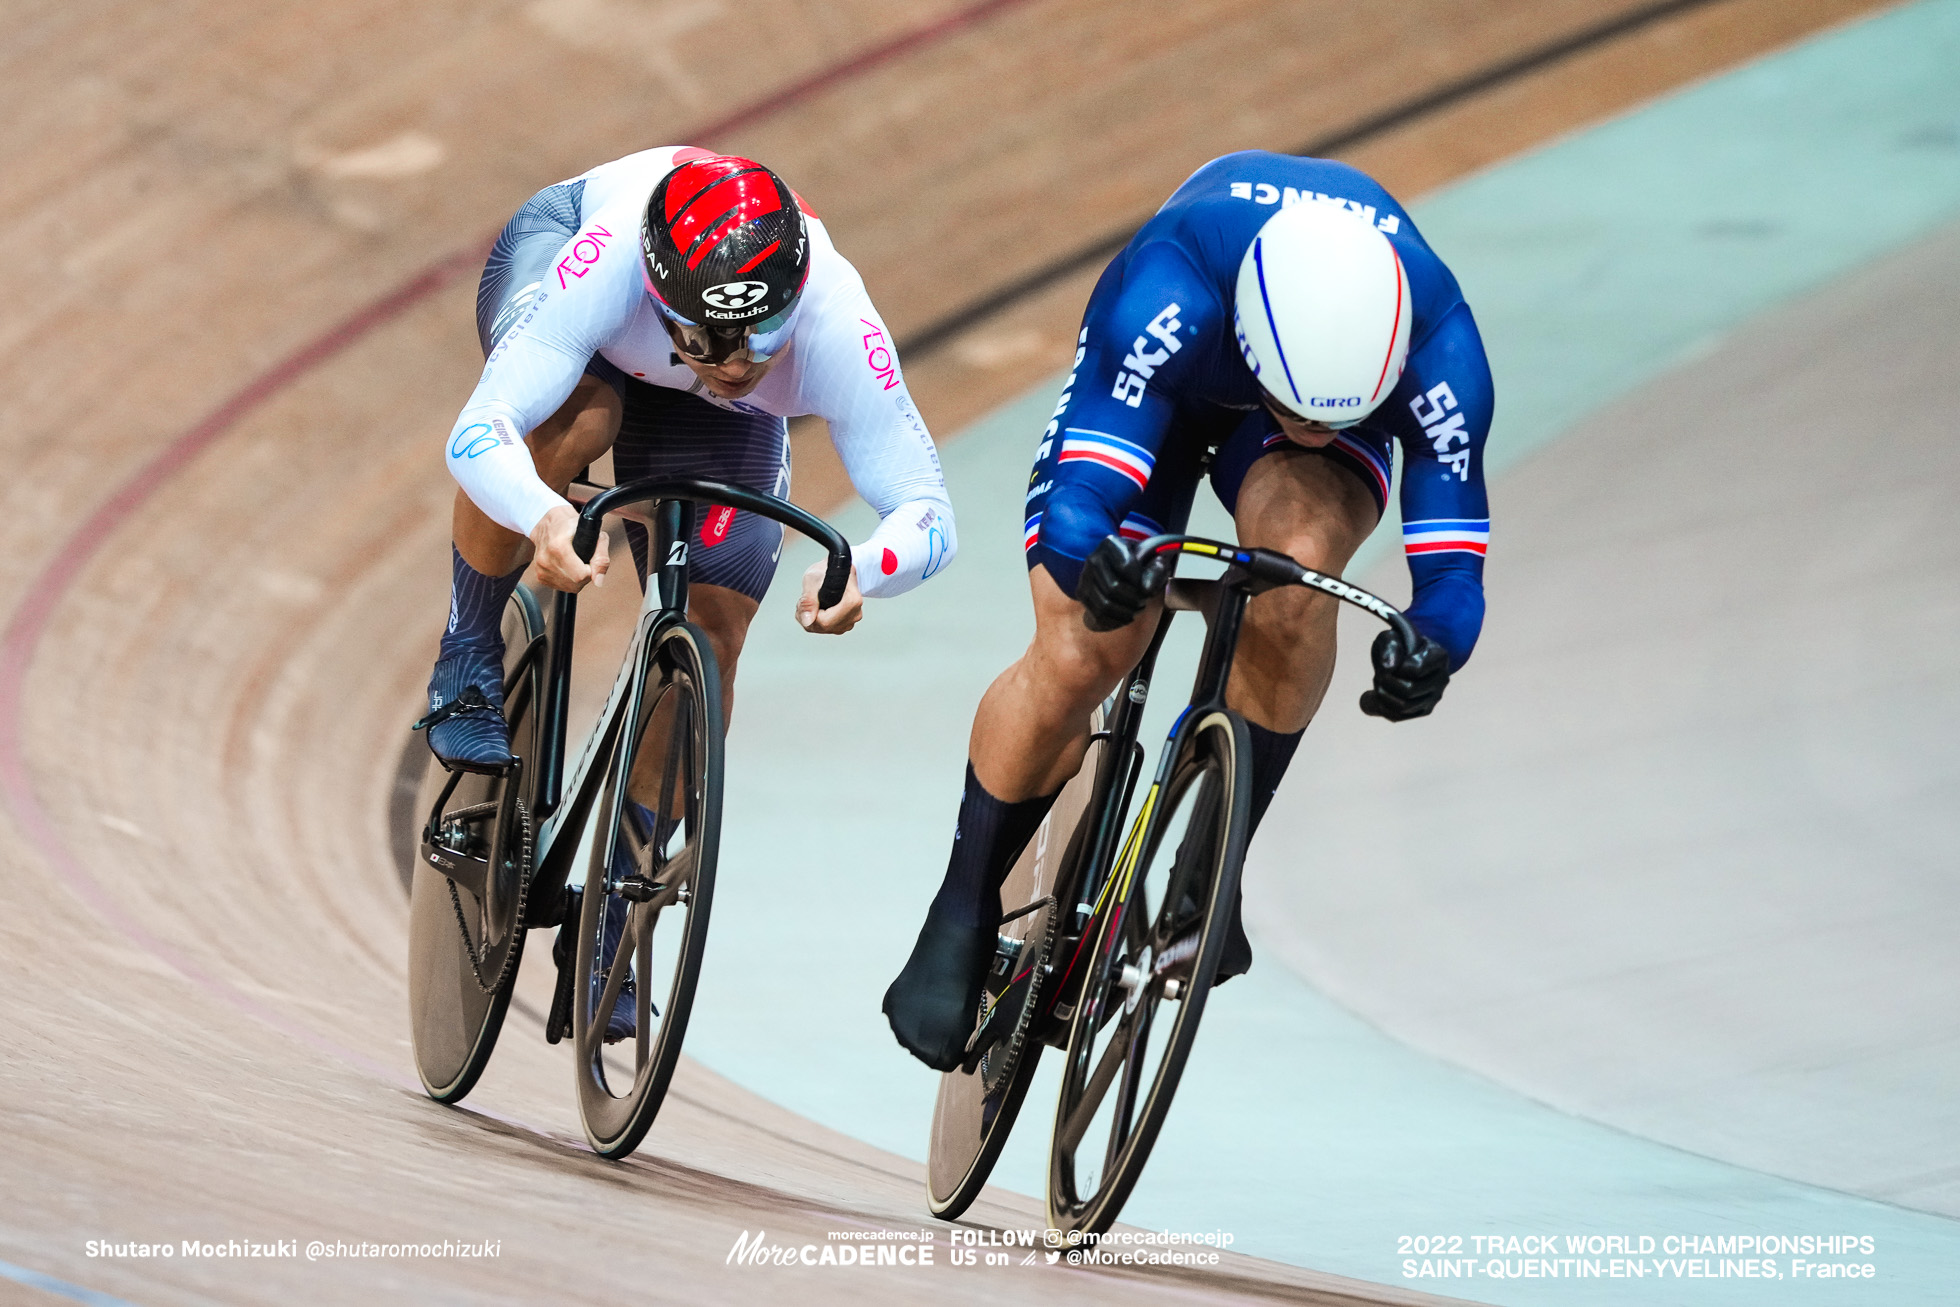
{"x":466,"y":903}
{"x":978,"y":1102}
{"x":643,"y":918}
{"x":1155,"y":954}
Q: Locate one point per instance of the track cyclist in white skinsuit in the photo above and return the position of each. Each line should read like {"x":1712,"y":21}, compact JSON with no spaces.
{"x":674,"y":306}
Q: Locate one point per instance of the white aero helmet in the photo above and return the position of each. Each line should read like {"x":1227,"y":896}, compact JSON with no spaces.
{"x":1322,"y":312}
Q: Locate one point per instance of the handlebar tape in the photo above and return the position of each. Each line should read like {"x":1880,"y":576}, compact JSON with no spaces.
{"x":585,"y":540}
{"x":836,"y":576}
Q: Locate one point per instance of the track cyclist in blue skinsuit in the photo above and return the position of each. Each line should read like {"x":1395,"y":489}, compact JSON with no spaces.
{"x":1281,"y":325}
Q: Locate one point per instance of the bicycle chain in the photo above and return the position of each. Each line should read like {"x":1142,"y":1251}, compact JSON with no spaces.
{"x":517,"y":919}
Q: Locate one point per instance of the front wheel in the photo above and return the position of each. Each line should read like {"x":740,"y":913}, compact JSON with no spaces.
{"x":1160,"y":932}
{"x":643,"y":919}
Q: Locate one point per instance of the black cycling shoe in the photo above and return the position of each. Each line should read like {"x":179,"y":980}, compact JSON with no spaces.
{"x":466,"y":722}
{"x":624,"y":1020}
{"x":1236,"y":957}
{"x":934,"y":1004}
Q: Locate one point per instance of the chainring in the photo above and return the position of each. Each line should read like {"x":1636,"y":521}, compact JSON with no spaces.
{"x":470,"y":951}
{"x":997,"y":1063}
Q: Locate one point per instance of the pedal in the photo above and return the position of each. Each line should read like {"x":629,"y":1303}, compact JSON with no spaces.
{"x":993,"y":1008}
{"x":638,"y":889}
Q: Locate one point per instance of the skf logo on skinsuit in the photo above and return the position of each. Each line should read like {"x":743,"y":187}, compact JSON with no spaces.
{"x":878,"y":355}
{"x":1442,"y":425}
{"x":584,"y":253}
{"x":735,"y":294}
{"x":1142,"y":362}
{"x":1286,"y":197}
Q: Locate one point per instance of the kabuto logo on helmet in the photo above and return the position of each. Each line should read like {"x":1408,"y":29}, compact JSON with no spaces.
{"x":736,"y":294}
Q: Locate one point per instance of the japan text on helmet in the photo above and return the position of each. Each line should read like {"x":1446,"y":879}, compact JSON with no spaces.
{"x":725,"y":254}
{"x":1322,"y":313}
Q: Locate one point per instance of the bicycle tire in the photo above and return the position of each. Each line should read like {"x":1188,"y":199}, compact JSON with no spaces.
{"x":459,"y":988}
{"x":680,"y":670}
{"x":971,"y":1118}
{"x":1142,"y":948}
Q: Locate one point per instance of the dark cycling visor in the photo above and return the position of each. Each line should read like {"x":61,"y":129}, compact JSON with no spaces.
{"x":752,"y":342}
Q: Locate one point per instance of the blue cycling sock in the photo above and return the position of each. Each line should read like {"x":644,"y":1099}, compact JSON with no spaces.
{"x":1271,"y":752}
{"x":476,"y":606}
{"x":989,"y":836}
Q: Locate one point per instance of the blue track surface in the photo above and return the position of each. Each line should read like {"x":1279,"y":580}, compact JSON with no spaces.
{"x":1594,"y":266}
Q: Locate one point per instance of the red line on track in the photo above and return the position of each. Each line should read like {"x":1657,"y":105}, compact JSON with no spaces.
{"x":28,"y":623}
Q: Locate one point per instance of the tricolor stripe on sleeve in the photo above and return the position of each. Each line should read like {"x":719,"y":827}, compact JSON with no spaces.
{"x":1104,"y":450}
{"x":1138,"y":527}
{"x":1031,"y":533}
{"x":1359,"y":451}
{"x":1442,"y":535}
{"x":1369,"y":457}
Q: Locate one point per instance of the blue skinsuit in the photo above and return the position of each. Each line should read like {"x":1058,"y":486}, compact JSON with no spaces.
{"x":1160,"y":391}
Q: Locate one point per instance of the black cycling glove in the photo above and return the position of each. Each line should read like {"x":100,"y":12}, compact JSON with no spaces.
{"x":1406,"y":684}
{"x":1116,"y":583}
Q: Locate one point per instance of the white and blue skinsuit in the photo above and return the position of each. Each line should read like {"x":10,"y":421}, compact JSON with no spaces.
{"x":1160,"y":387}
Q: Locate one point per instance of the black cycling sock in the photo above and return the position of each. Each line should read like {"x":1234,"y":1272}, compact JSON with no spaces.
{"x":988,"y":838}
{"x":476,"y":606}
{"x":1271,"y":752}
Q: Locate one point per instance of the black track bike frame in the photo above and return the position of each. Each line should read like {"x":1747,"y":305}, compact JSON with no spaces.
{"x":1221,"y":601}
{"x":676,"y":501}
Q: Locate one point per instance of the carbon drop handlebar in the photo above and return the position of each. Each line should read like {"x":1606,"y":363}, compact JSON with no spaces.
{"x":1271,"y":569}
{"x":837,"y":570}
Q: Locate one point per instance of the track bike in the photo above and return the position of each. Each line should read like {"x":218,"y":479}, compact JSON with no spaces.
{"x":640,"y":804}
{"x":1110,"y":941}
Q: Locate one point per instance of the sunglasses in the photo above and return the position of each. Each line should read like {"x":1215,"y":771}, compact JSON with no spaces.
{"x":714,"y":345}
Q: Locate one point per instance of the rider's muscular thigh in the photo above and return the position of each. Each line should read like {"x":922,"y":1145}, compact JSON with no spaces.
{"x":1319,"y":513}
{"x":1033,"y":723}
{"x":583,"y":428}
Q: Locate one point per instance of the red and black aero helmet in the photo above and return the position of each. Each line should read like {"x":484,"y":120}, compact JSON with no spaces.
{"x":726,"y":252}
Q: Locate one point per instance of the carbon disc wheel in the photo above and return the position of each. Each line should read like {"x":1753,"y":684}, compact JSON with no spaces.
{"x":466,"y":903}
{"x":978,"y":1103}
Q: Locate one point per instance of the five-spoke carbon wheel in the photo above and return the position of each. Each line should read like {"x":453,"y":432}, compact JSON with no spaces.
{"x":466,"y":904}
{"x":643,"y":922}
{"x":1151,"y":971}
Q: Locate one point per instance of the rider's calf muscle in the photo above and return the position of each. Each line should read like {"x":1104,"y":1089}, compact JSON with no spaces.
{"x":1033,"y":723}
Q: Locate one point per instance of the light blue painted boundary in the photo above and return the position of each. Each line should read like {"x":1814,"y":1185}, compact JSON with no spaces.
{"x":59,"y":1288}
{"x":1594,"y":266}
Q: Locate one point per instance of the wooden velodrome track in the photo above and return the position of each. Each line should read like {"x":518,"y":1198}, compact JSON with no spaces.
{"x":241,"y":319}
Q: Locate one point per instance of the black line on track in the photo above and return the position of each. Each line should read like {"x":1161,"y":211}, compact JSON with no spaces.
{"x":936,"y":335}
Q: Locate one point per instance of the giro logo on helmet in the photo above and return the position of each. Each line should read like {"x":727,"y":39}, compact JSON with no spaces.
{"x":736,"y":294}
